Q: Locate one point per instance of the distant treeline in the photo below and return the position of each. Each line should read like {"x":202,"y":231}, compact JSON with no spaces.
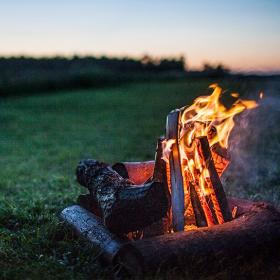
{"x":20,"y":75}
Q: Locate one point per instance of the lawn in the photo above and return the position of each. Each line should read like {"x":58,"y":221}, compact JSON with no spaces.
{"x":43,"y":138}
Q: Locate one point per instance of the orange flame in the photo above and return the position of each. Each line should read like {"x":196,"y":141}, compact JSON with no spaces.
{"x":166,"y":147}
{"x":207,"y":115}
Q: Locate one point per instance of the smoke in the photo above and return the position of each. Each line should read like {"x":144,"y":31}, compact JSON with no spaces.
{"x":254,"y":171}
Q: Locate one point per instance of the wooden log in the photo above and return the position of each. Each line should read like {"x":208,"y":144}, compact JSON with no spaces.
{"x":124,"y":207}
{"x":251,"y":239}
{"x":159,"y":175}
{"x":218,"y":198}
{"x":177,"y":182}
{"x":125,"y":259}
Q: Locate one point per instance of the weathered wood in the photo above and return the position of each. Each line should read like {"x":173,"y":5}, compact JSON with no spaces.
{"x":125,"y":259}
{"x":251,"y":238}
{"x":124,"y":207}
{"x":177,"y":182}
{"x":218,"y":198}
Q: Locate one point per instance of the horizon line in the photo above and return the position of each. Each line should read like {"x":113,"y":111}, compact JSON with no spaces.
{"x":70,"y":55}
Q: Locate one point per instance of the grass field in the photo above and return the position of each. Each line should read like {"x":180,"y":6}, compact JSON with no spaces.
{"x":43,"y":138}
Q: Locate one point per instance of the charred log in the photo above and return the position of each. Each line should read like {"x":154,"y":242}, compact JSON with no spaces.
{"x":124,"y":207}
{"x":200,"y":218}
{"x":218,"y":198}
{"x":251,"y":238}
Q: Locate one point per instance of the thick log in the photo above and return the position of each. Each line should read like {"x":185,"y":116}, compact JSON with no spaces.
{"x":251,"y":239}
{"x":218,"y":198}
{"x":125,"y":259}
{"x":124,"y":207}
{"x":177,"y":182}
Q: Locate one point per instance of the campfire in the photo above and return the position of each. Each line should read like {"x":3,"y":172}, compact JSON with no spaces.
{"x":173,"y":210}
{"x":195,"y":151}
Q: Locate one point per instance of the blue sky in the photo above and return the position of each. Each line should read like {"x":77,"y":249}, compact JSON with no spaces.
{"x":244,"y":35}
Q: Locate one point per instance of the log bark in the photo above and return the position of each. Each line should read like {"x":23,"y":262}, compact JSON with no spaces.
{"x":177,"y":182}
{"x":251,"y":239}
{"x":124,"y":207}
{"x":122,"y":256}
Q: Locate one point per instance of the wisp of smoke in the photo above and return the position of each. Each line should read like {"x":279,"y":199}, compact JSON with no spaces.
{"x":254,"y":170}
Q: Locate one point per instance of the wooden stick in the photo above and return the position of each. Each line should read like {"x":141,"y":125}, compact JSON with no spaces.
{"x":206,"y":207}
{"x":218,"y":196}
{"x":197,"y":208}
{"x":177,"y":183}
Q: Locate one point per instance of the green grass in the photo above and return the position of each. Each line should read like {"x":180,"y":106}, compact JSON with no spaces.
{"x":41,"y":141}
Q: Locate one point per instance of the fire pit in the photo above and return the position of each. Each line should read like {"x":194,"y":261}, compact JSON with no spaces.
{"x":173,"y":211}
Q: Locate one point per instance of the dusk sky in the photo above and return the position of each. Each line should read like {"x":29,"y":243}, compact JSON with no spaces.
{"x":244,"y":35}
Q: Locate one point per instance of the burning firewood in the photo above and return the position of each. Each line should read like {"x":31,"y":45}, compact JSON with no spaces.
{"x":196,"y":155}
{"x":217,"y":193}
{"x":124,"y":207}
{"x":200,"y":219}
{"x":177,"y":183}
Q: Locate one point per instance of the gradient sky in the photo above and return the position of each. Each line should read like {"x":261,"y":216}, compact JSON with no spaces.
{"x":244,"y":35}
